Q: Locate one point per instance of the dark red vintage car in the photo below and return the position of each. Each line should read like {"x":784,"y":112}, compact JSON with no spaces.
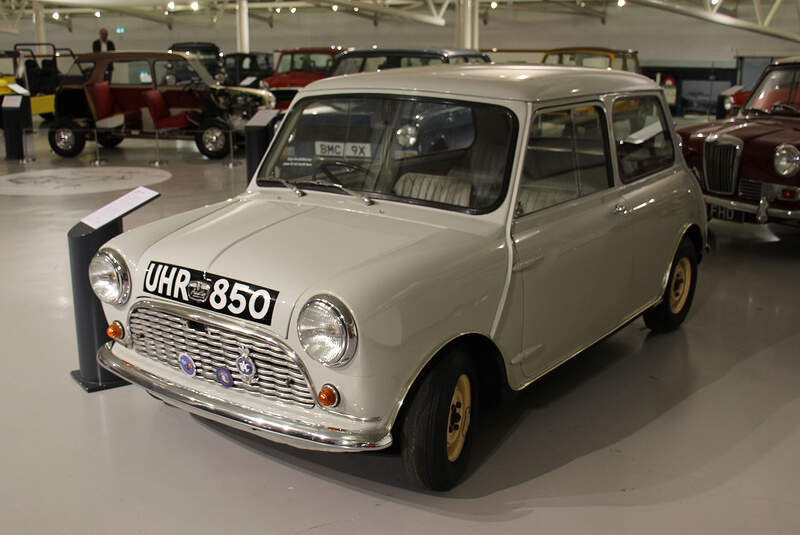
{"x":748,"y":165}
{"x":297,"y":68}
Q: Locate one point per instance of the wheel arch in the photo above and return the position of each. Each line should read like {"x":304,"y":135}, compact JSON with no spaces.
{"x":696,"y":236}
{"x":488,"y":360}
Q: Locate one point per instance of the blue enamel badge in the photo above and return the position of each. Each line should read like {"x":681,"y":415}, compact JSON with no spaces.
{"x":246,"y":366}
{"x":224,"y":377}
{"x":187,"y":365}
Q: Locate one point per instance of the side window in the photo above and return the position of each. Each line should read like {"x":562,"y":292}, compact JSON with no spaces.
{"x":136,"y":72}
{"x":567,"y":158}
{"x":641,"y":136}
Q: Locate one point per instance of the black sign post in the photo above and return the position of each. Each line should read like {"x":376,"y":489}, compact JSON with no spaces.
{"x":85,"y":239}
{"x":258,"y":133}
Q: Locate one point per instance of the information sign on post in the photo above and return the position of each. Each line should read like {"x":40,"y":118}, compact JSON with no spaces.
{"x":85,"y":239}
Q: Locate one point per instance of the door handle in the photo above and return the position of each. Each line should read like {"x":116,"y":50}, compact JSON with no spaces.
{"x":619,"y":208}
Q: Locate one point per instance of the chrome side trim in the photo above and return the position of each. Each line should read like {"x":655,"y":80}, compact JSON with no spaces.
{"x":286,"y":431}
{"x":752,"y":208}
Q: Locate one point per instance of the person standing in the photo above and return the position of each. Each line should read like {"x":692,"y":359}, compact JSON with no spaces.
{"x":103,"y":44}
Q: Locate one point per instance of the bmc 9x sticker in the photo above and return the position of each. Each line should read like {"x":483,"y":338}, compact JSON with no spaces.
{"x":212,"y":292}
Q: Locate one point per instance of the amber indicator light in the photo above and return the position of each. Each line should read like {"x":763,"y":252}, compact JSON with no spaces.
{"x":788,"y":194}
{"x":115,"y":330}
{"x":328,"y":396}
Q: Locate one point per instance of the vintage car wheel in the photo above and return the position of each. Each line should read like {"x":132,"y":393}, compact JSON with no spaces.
{"x":671,"y":311}
{"x":212,"y":139}
{"x":109,"y":140}
{"x":65,"y":138}
{"x":436,"y":438}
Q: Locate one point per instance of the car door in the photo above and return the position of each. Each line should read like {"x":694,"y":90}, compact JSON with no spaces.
{"x":128,"y":80}
{"x":653,"y":196}
{"x":571,"y":246}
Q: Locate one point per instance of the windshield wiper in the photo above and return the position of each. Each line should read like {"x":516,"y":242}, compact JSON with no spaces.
{"x":291,"y":186}
{"x":331,"y":183}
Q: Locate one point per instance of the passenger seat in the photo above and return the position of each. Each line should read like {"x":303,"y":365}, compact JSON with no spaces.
{"x":435,"y":188}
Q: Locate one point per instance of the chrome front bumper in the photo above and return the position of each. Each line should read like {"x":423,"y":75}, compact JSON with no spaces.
{"x":762,"y":210}
{"x":294,"y":433}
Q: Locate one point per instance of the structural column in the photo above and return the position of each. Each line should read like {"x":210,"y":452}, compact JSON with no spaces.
{"x":242,"y":26}
{"x":38,"y":22}
{"x":467,"y":18}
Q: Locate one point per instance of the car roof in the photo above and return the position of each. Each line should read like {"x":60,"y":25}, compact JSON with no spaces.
{"x":617,"y":51}
{"x":320,"y":50}
{"x":785,"y":61}
{"x":411,"y":51}
{"x":514,"y":82}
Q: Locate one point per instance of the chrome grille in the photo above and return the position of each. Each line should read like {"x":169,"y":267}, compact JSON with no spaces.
{"x":750,"y":189}
{"x":163,"y":336}
{"x":721,"y":164}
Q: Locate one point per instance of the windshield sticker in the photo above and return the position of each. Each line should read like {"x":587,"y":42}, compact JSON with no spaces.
{"x":342,"y":150}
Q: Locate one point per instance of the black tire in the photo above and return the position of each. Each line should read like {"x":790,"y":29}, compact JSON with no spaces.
{"x":109,"y":140}
{"x":674,"y":306}
{"x":47,"y":117}
{"x":212,"y":139}
{"x":433,"y":426}
{"x":65,"y":138}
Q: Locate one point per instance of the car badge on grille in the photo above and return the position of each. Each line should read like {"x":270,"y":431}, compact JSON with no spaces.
{"x":246,"y":366}
{"x":198,"y":291}
{"x":187,"y":365}
{"x":224,"y":377}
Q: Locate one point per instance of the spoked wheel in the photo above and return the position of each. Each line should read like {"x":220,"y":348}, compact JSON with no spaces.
{"x":65,"y":139}
{"x":212,"y":140}
{"x":436,"y":438}
{"x":673,"y":308}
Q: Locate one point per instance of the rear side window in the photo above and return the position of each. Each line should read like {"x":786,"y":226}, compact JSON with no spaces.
{"x":567,"y":158}
{"x":136,"y":72}
{"x":641,"y":136}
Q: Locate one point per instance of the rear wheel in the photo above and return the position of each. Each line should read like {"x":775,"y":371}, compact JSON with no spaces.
{"x":65,"y":138}
{"x":674,"y":306}
{"x":436,"y":430}
{"x":212,"y":139}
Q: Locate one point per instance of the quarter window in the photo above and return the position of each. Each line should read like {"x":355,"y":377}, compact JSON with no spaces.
{"x":642,"y":138}
{"x":135,"y":72}
{"x":567,"y":158}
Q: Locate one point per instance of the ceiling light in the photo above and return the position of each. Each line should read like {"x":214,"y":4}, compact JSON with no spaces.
{"x":355,"y":9}
{"x":293,"y":10}
{"x":98,"y":14}
{"x":714,"y":2}
{"x":195,"y":6}
{"x":170,"y":5}
{"x":621,"y":3}
{"x":277,"y":10}
{"x":494,"y":5}
{"x":335,"y":7}
{"x":166,"y":12}
{"x":56,"y":15}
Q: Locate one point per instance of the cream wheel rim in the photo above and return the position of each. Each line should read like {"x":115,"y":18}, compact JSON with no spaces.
{"x":458,"y":418}
{"x":680,"y":284}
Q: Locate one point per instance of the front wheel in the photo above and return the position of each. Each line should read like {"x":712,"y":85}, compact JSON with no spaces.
{"x":436,"y":437}
{"x":65,"y":138}
{"x":674,"y":306}
{"x":212,"y":139}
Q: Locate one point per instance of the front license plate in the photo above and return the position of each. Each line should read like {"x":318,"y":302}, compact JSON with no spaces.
{"x":212,"y":292}
{"x":729,"y":214}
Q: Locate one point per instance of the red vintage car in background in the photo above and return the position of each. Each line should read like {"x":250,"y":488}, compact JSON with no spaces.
{"x":748,"y":166}
{"x":297,"y":68}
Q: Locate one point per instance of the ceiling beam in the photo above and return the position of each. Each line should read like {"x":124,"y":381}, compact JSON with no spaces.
{"x":718,"y":18}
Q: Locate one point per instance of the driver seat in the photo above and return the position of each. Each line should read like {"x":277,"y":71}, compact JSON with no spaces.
{"x":162,"y":120}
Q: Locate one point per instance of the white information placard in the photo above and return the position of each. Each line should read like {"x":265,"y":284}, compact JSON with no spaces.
{"x":247,"y":81}
{"x":120,"y":207}
{"x":18,"y":89}
{"x":12,"y":101}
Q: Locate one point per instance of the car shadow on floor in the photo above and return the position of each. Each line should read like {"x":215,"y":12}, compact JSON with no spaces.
{"x":608,"y":405}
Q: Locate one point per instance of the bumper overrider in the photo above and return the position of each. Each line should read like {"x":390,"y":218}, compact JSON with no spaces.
{"x":277,"y":428}
{"x":762,"y":211}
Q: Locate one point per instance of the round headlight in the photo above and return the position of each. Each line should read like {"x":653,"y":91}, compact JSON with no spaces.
{"x":263,"y":84}
{"x":327,"y":331}
{"x":786,"y":160}
{"x":109,"y":277}
{"x":727,"y":103}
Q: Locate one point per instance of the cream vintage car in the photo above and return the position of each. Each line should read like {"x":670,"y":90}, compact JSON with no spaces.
{"x":414,"y":243}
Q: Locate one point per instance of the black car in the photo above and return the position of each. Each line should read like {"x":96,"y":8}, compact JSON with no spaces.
{"x":247,"y":68}
{"x":209,"y":54}
{"x":374,"y":59}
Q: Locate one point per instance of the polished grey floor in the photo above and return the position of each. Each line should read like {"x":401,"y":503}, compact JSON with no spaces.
{"x":697,"y":431}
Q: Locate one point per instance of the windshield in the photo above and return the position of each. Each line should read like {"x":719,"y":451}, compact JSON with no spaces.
{"x":778,"y":93}
{"x":197,"y":70}
{"x":375,"y":63}
{"x":426,"y":151}
{"x":305,"y":62}
{"x":580,"y":59}
{"x":81,"y":69}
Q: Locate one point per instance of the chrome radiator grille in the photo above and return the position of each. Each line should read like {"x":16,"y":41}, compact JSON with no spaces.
{"x":721,"y":163}
{"x":164,"y":336}
{"x":750,"y":189}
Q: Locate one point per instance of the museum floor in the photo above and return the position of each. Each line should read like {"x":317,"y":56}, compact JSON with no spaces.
{"x":697,"y":431}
